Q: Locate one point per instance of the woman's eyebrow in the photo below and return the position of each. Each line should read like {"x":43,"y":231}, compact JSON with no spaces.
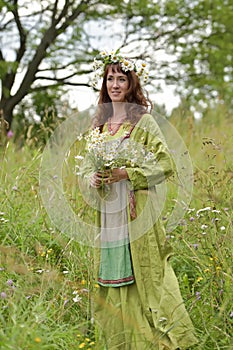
{"x":118,"y":76}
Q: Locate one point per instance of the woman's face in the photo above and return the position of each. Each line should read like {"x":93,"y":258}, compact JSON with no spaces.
{"x":117,"y":85}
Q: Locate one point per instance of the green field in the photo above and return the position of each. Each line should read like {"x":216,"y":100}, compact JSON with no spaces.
{"x":46,"y":281}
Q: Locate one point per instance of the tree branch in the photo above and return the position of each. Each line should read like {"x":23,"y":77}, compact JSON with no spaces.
{"x":64,"y":78}
{"x":43,"y":87}
{"x":63,"y":13}
{"x":1,"y":56}
{"x":22,"y":33}
{"x":80,"y":9}
{"x":54,"y":12}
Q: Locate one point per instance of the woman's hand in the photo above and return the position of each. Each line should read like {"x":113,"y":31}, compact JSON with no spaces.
{"x":96,"y":180}
{"x":108,"y":177}
{"x":115,"y":175}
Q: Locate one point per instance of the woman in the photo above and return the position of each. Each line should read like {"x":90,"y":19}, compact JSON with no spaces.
{"x":139,"y":305}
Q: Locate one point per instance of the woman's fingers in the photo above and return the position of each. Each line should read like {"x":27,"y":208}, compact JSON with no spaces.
{"x":114,"y":176}
{"x":95,"y":180}
{"x":108,"y":177}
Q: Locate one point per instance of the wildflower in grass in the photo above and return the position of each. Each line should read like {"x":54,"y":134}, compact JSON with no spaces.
{"x":215,"y":219}
{"x":82,"y":345}
{"x":213,"y":258}
{"x":92,"y":343}
{"x":37,"y":339}
{"x":79,"y":157}
{"x":15,"y":188}
{"x":195,"y":246}
{"x":231,"y":314}
{"x":96,"y":285}
{"x":170,"y":236}
{"x":65,"y":302}
{"x":204,"y":226}
{"x":65,"y":272}
{"x":83,"y":282}
{"x":4,"y":221}
{"x":192,"y":218}
{"x":87,"y":339}
{"x":3,"y":295}
{"x":198,"y":295}
{"x":222,"y":228}
{"x":77,"y":298}
{"x":199,"y":278}
{"x":10,"y":283}
{"x":203,"y":210}
{"x":10,"y":134}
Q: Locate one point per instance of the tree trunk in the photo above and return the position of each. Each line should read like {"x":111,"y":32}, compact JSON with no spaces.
{"x":7,"y":107}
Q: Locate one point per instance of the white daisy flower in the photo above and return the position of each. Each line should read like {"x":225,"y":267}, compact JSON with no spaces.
{"x":127,"y":65}
{"x":104,"y":54}
{"x":115,"y":58}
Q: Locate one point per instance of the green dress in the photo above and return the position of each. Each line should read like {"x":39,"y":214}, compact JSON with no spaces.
{"x":147,"y":312}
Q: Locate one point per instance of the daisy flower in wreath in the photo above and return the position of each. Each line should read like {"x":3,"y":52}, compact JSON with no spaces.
{"x":104,"y":58}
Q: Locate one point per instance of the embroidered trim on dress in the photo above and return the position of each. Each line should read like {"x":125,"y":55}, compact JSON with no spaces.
{"x":120,"y":280}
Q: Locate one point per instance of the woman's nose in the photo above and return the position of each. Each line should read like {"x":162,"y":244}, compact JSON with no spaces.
{"x":115,"y":83}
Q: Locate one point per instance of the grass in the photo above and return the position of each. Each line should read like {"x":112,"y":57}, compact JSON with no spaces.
{"x":46,"y":278}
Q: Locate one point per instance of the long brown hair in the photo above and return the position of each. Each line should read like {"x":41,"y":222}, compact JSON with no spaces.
{"x":137,"y":103}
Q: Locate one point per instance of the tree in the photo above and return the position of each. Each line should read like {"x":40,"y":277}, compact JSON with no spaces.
{"x":203,"y":47}
{"x":48,"y":43}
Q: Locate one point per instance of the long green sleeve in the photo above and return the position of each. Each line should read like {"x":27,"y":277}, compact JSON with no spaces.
{"x":156,"y":169}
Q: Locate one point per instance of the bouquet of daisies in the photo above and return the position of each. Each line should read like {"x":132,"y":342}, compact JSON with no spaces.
{"x":108,"y":154}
